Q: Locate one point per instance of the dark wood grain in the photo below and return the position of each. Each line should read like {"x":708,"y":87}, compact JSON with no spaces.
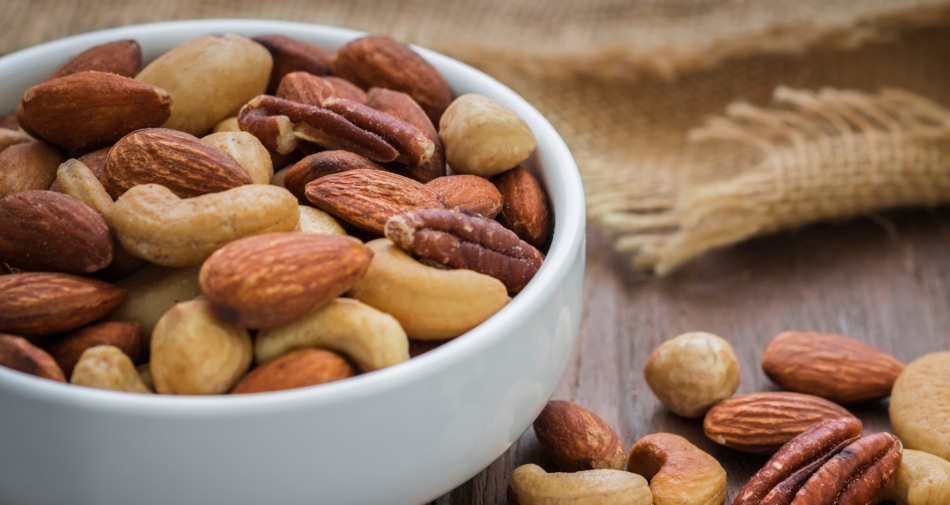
{"x":882,"y":279}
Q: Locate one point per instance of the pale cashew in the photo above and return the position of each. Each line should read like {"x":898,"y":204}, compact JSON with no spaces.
{"x":107,"y":367}
{"x":253,"y":157}
{"x":154,"y":289}
{"x":430,"y":303}
{"x":195,"y":353}
{"x":77,"y":180}
{"x":922,"y":479}
{"x":693,"y":372}
{"x":155,"y":224}
{"x":531,"y":485}
{"x":10,"y":137}
{"x":371,"y":339}
{"x":145,"y":374}
{"x":679,"y":472}
{"x":314,"y":220}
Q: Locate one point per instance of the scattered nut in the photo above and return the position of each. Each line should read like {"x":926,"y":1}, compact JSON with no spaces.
{"x":692,"y":372}
{"x":920,"y":406}
{"x":531,"y":485}
{"x":841,"y":369}
{"x":107,"y":367}
{"x":760,"y":423}
{"x":195,"y":353}
{"x":370,"y":338}
{"x":577,"y":439}
{"x":483,"y":137}
{"x":921,"y":479}
{"x":679,"y":472}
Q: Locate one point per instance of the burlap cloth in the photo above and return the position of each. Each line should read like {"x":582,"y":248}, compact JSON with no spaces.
{"x":695,"y":123}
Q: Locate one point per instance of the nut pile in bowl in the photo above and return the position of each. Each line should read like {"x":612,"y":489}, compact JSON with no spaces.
{"x":205,"y":210}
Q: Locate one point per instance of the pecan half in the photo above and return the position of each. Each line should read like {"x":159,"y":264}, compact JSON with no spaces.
{"x":465,"y":239}
{"x":413,"y":145}
{"x":828,"y":464}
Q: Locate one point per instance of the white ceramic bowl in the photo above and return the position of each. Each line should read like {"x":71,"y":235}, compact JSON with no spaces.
{"x":402,"y":435}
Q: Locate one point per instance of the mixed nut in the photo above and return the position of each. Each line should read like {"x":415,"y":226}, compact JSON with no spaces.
{"x":250,"y":214}
{"x":817,"y":451}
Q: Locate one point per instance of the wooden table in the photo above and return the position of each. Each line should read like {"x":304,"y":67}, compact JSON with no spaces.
{"x":882,"y":279}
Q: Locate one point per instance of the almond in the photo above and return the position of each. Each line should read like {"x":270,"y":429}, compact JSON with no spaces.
{"x":472,"y":192}
{"x":383,"y":62}
{"x":43,"y":230}
{"x":19,"y":354}
{"x":323,"y":163}
{"x":276,"y":278}
{"x":91,"y":109}
{"x":44,"y":303}
{"x":177,"y":160}
{"x":577,"y":439}
{"x":292,"y":55}
{"x":760,"y":423}
{"x":298,"y":368}
{"x":368,"y":198}
{"x":121,"y":57}
{"x":841,"y":369}
{"x":28,"y":165}
{"x":526,"y":210}
{"x":124,"y":335}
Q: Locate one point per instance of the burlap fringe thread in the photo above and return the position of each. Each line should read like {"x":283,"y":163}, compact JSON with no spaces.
{"x":825,"y":155}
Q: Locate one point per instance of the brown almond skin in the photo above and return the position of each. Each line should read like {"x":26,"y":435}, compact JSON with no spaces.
{"x":91,"y":109}
{"x":368,"y":198}
{"x":379,"y":61}
{"x":29,"y":165}
{"x":760,"y":423}
{"x":125,"y":335}
{"x":19,"y":354}
{"x":121,"y":57}
{"x":43,"y":303}
{"x":577,"y":439}
{"x":296,"y":369}
{"x":526,"y":210}
{"x":317,"y":165}
{"x":472,"y":192}
{"x":274,"y":279}
{"x":291,"y":55}
{"x":839,"y":368}
{"x":177,"y":160}
{"x":43,"y":230}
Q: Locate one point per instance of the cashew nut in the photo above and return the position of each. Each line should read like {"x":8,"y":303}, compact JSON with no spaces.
{"x":371,"y":339}
{"x":155,"y":224}
{"x":107,"y":367}
{"x":249,"y":153}
{"x":531,"y":485}
{"x":922,"y":479}
{"x":154,"y":289}
{"x":693,"y":372}
{"x":77,"y":180}
{"x":195,"y":353}
{"x":430,"y":303}
{"x":314,"y":220}
{"x":679,"y":472}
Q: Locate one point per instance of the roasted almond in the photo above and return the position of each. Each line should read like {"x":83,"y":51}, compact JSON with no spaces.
{"x":525,"y":210}
{"x":43,"y":230}
{"x":577,"y":439}
{"x":19,"y":354}
{"x":121,"y":57}
{"x":323,"y":163}
{"x":28,"y":165}
{"x":91,"y":109}
{"x":179,"y":161}
{"x":299,"y":368}
{"x":472,"y":192}
{"x":43,"y":303}
{"x":760,"y":423}
{"x":368,"y":198}
{"x":292,"y":55}
{"x":273,"y":279}
{"x":839,"y":368}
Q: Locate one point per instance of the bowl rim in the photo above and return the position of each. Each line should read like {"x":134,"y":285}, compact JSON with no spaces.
{"x":568,"y":237}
